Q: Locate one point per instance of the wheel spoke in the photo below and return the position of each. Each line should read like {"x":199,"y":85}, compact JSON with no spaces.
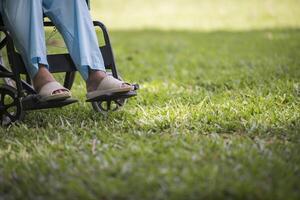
{"x":2,"y":98}
{"x":118,"y":102}
{"x":101,"y":106}
{"x":13,"y":118}
{"x":108,"y":105}
{"x":10,"y":105}
{"x":1,"y":119}
{"x":105,"y":107}
{"x":116,"y":106}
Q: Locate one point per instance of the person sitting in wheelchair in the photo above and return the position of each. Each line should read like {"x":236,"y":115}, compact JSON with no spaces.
{"x":24,"y":20}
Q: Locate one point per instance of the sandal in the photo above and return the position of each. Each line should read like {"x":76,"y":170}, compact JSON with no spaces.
{"x":46,"y":93}
{"x":108,"y":86}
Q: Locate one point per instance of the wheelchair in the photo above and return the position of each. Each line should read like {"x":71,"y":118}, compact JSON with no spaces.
{"x":19,"y":97}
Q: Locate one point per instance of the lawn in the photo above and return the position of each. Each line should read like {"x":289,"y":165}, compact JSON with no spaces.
{"x":217,"y":117}
{"x":202,"y":15}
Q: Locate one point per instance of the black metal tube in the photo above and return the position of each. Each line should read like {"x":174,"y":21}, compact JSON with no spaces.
{"x":108,"y":44}
{"x":11,"y":57}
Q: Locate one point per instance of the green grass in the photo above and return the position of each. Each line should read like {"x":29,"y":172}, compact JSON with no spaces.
{"x":197,"y":14}
{"x":217,"y":117}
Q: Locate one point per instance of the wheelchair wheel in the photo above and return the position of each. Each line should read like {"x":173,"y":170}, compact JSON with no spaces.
{"x":10,"y":82}
{"x":105,"y":107}
{"x":10,"y":106}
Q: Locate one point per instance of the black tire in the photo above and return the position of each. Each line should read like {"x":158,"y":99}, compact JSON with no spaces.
{"x":10,"y":106}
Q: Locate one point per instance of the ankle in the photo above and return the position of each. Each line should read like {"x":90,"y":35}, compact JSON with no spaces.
{"x":96,"y":74}
{"x":94,"y":79}
{"x":42,"y":77}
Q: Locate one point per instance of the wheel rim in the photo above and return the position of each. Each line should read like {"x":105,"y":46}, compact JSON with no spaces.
{"x":10,"y":106}
{"x":108,"y":106}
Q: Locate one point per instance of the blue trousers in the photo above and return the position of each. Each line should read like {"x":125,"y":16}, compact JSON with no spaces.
{"x":24,"y":20}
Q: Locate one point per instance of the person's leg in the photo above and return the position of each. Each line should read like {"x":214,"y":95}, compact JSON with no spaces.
{"x":73,"y":20}
{"x":24,"y":20}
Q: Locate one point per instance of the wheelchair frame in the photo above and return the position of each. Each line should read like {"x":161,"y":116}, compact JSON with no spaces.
{"x":24,"y":95}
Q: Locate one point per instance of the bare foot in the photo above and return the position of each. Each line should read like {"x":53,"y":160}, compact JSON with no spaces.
{"x":43,"y":77}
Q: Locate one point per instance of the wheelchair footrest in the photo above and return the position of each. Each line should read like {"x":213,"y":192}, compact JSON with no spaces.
{"x":113,"y":96}
{"x":31,"y":102}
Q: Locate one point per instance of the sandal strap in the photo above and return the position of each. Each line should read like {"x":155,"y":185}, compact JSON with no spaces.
{"x":109,"y":82}
{"x":50,"y":88}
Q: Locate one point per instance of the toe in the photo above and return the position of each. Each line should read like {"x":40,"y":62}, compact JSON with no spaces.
{"x":59,"y":91}
{"x":125,"y":85}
